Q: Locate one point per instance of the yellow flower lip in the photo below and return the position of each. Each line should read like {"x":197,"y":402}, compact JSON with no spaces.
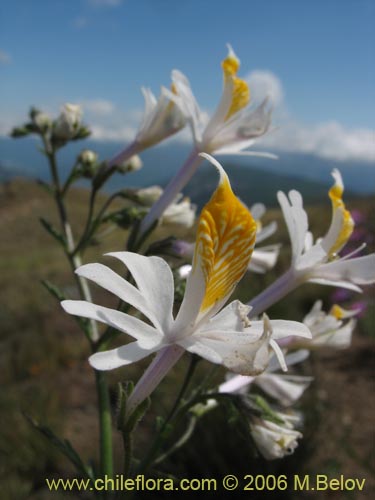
{"x":225,"y":241}
{"x":240,"y":88}
{"x":338,"y":206}
{"x":337,"y":311}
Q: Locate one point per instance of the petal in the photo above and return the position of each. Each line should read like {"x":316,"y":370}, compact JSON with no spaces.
{"x":154,"y":280}
{"x":296,"y":221}
{"x":266,"y":231}
{"x":121,"y":356}
{"x":238,"y":352}
{"x":264,"y":259}
{"x":225,"y":240}
{"x":342,"y":223}
{"x":360,"y":270}
{"x":287,"y":389}
{"x":232,"y":318}
{"x":290,"y":359}
{"x":144,"y":333}
{"x":283,"y":328}
{"x":186,"y":101}
{"x":336,"y":283}
{"x":111,"y":281}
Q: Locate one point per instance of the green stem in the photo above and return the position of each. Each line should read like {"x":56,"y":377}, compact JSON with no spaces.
{"x":105,"y":423}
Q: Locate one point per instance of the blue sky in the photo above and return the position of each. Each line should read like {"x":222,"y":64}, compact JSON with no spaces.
{"x":318,"y":56}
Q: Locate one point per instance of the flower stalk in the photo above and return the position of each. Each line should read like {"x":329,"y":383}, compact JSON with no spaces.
{"x":174,"y":187}
{"x":157,"y":370}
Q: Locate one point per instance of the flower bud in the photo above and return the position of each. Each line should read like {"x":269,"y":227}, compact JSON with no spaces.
{"x":133,"y":164}
{"x":148,"y":196}
{"x":68,"y":122}
{"x":88,"y":163}
{"x":41,"y":120}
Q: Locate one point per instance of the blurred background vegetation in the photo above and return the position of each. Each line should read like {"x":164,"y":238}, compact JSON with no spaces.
{"x":44,"y":370}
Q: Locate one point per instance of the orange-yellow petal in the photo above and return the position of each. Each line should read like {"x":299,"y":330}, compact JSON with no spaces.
{"x":240,"y":89}
{"x":335,"y":194}
{"x":225,"y":241}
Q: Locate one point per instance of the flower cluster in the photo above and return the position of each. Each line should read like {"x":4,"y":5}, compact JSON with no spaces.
{"x":170,"y":309}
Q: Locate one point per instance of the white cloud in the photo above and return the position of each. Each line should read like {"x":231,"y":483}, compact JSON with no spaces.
{"x":107,"y":134}
{"x":5,"y":58}
{"x":328,"y":140}
{"x":264,"y":83}
{"x":105,"y":3}
{"x":98,"y":107}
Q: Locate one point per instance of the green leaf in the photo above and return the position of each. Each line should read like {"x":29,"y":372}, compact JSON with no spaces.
{"x":56,"y":292}
{"x":64,"y":446}
{"x":52,"y":231}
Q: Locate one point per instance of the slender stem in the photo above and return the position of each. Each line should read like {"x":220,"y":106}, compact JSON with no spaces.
{"x":157,"y":370}
{"x":84,"y":238}
{"x":178,"y":182}
{"x":105,"y":424}
{"x":279,"y":289}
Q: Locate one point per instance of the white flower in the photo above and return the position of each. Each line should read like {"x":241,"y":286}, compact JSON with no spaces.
{"x":330,"y":329}
{"x":68,"y":122}
{"x":285,"y":388}
{"x":225,"y":240}
{"x":181,"y":213}
{"x":161,"y":119}
{"x":319,"y":262}
{"x":234,"y":126}
{"x":275,"y":440}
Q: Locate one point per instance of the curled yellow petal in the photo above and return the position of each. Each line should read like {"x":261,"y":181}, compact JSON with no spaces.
{"x":240,"y":89}
{"x":225,"y":241}
{"x":347,"y":224}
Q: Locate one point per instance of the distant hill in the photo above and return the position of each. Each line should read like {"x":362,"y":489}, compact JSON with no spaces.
{"x":254,"y":178}
{"x":252,"y":185}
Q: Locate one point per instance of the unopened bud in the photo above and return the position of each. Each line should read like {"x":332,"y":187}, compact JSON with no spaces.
{"x":88,"y":163}
{"x":133,"y":164}
{"x":41,"y":120}
{"x":68,"y":122}
{"x":148,"y":196}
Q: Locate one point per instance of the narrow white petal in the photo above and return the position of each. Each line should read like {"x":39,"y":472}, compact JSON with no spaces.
{"x":296,"y":221}
{"x":283,"y":328}
{"x":121,"y":356}
{"x":287,"y":389}
{"x":111,"y":281}
{"x":266,"y":231}
{"x":264,"y":259}
{"x":360,"y":270}
{"x":154,"y":280}
{"x":144,"y":333}
{"x":337,"y":283}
